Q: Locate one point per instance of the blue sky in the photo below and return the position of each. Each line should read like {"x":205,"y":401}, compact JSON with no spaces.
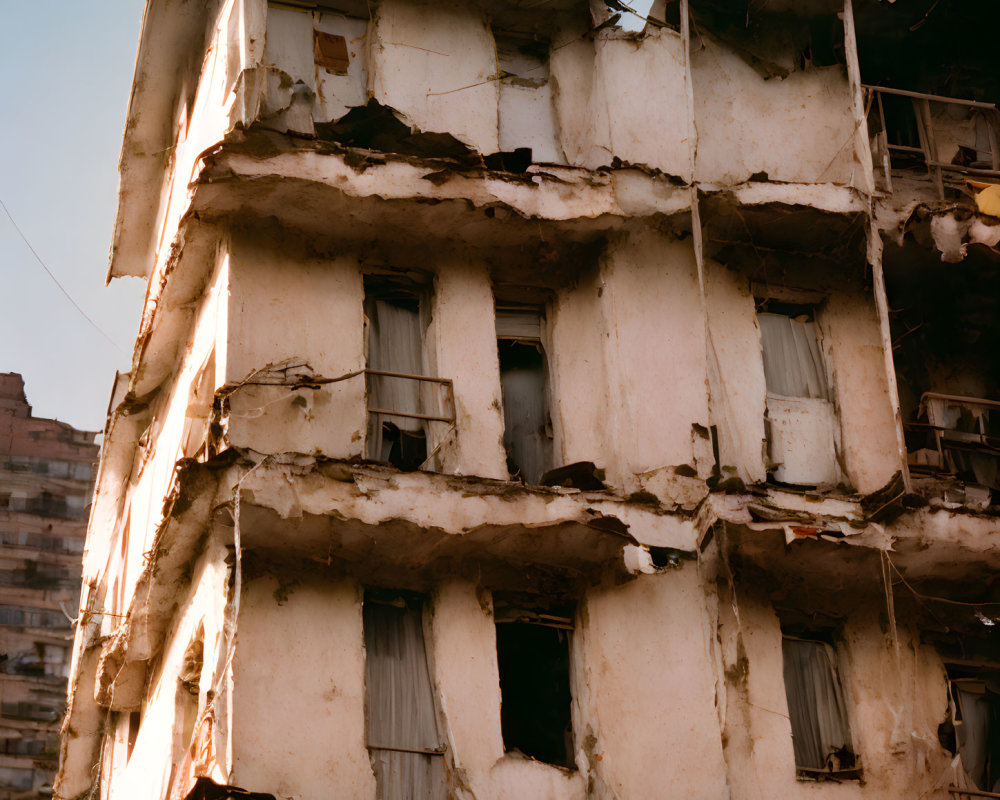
{"x":67,"y":71}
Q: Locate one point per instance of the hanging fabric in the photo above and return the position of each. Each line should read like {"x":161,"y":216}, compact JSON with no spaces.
{"x":403,"y":739}
{"x":525,"y":417}
{"x":815,"y":703}
{"x":971,"y":730}
{"x":395,"y":344}
{"x":793,"y":366}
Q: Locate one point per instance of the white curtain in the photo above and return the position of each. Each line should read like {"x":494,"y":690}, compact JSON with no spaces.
{"x":524,"y":415}
{"x":815,"y":702}
{"x":395,"y":344}
{"x":793,"y":366}
{"x":971,"y":732}
{"x":400,"y":705}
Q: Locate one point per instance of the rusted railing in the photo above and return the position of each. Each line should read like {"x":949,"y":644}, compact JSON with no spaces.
{"x":969,"y":433}
{"x":388,"y":412}
{"x":927,"y":150}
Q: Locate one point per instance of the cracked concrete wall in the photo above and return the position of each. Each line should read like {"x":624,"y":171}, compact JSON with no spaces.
{"x":287,"y":305}
{"x":797,"y":129}
{"x":464,"y":660}
{"x":436,"y":63}
{"x":606,"y":106}
{"x":463,"y":339}
{"x":648,"y":690}
{"x":655,"y":330}
{"x":853,"y":349}
{"x":176,"y":428}
{"x":736,"y":370}
{"x":161,"y":744}
{"x":298,"y":691}
{"x":577,"y":367}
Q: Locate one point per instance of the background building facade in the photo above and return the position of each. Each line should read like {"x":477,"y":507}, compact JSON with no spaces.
{"x":526,"y":407}
{"x":45,"y":484}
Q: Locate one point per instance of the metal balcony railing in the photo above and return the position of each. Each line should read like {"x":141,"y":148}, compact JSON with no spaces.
{"x":423,"y":407}
{"x":927,"y":151}
{"x":962,"y":434}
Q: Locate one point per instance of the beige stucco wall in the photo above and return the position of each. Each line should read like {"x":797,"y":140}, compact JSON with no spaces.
{"x":288,"y":305}
{"x":435,"y":62}
{"x":647,"y":690}
{"x":298,"y":723}
{"x":463,"y":338}
{"x":578,"y":374}
{"x":852,"y":345}
{"x":606,"y":105}
{"x":655,"y":350}
{"x":736,"y":370}
{"x":796,"y":129}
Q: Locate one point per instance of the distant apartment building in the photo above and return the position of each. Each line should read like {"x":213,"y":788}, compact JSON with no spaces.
{"x":45,"y":483}
{"x":526,"y":408}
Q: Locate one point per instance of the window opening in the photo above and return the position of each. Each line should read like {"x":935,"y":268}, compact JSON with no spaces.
{"x":533,"y":656}
{"x":403,"y":740}
{"x":800,"y":421}
{"x":974,"y":719}
{"x":793,"y":366}
{"x":821,"y":735}
{"x":523,"y":381}
{"x":526,"y":116}
{"x":395,"y":344}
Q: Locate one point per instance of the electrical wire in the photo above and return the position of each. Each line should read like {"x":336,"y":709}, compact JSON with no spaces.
{"x":55,"y":280}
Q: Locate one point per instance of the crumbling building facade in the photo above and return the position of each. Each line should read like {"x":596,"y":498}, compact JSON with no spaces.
{"x":527,"y":407}
{"x":46,"y":471}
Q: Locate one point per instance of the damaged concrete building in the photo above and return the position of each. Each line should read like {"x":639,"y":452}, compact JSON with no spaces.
{"x":46,"y":471}
{"x":527,"y":407}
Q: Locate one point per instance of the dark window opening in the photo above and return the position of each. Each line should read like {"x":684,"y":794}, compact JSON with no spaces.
{"x":821,"y":735}
{"x":973,"y":724}
{"x":394,"y":343}
{"x":403,"y":740}
{"x":527,"y":434}
{"x":535,"y":697}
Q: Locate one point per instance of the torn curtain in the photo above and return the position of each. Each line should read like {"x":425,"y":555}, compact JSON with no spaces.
{"x":815,"y":702}
{"x":403,"y":739}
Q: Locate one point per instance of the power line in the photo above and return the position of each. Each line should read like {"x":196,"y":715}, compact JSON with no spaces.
{"x":55,"y":280}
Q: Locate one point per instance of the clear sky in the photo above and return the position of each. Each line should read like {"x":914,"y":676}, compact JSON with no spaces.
{"x":67,"y":70}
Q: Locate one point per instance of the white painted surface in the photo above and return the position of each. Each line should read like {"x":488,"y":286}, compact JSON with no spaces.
{"x":803,"y":439}
{"x":298,"y":692}
{"x":797,"y":129}
{"x":435,"y":63}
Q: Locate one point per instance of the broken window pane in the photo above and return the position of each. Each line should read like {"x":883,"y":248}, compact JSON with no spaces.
{"x":793,"y":366}
{"x":403,"y":740}
{"x":525,"y":394}
{"x":394,"y":343}
{"x":820,"y":733}
{"x":535,"y":697}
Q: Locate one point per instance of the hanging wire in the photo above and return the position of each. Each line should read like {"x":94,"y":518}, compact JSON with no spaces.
{"x":55,"y":280}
